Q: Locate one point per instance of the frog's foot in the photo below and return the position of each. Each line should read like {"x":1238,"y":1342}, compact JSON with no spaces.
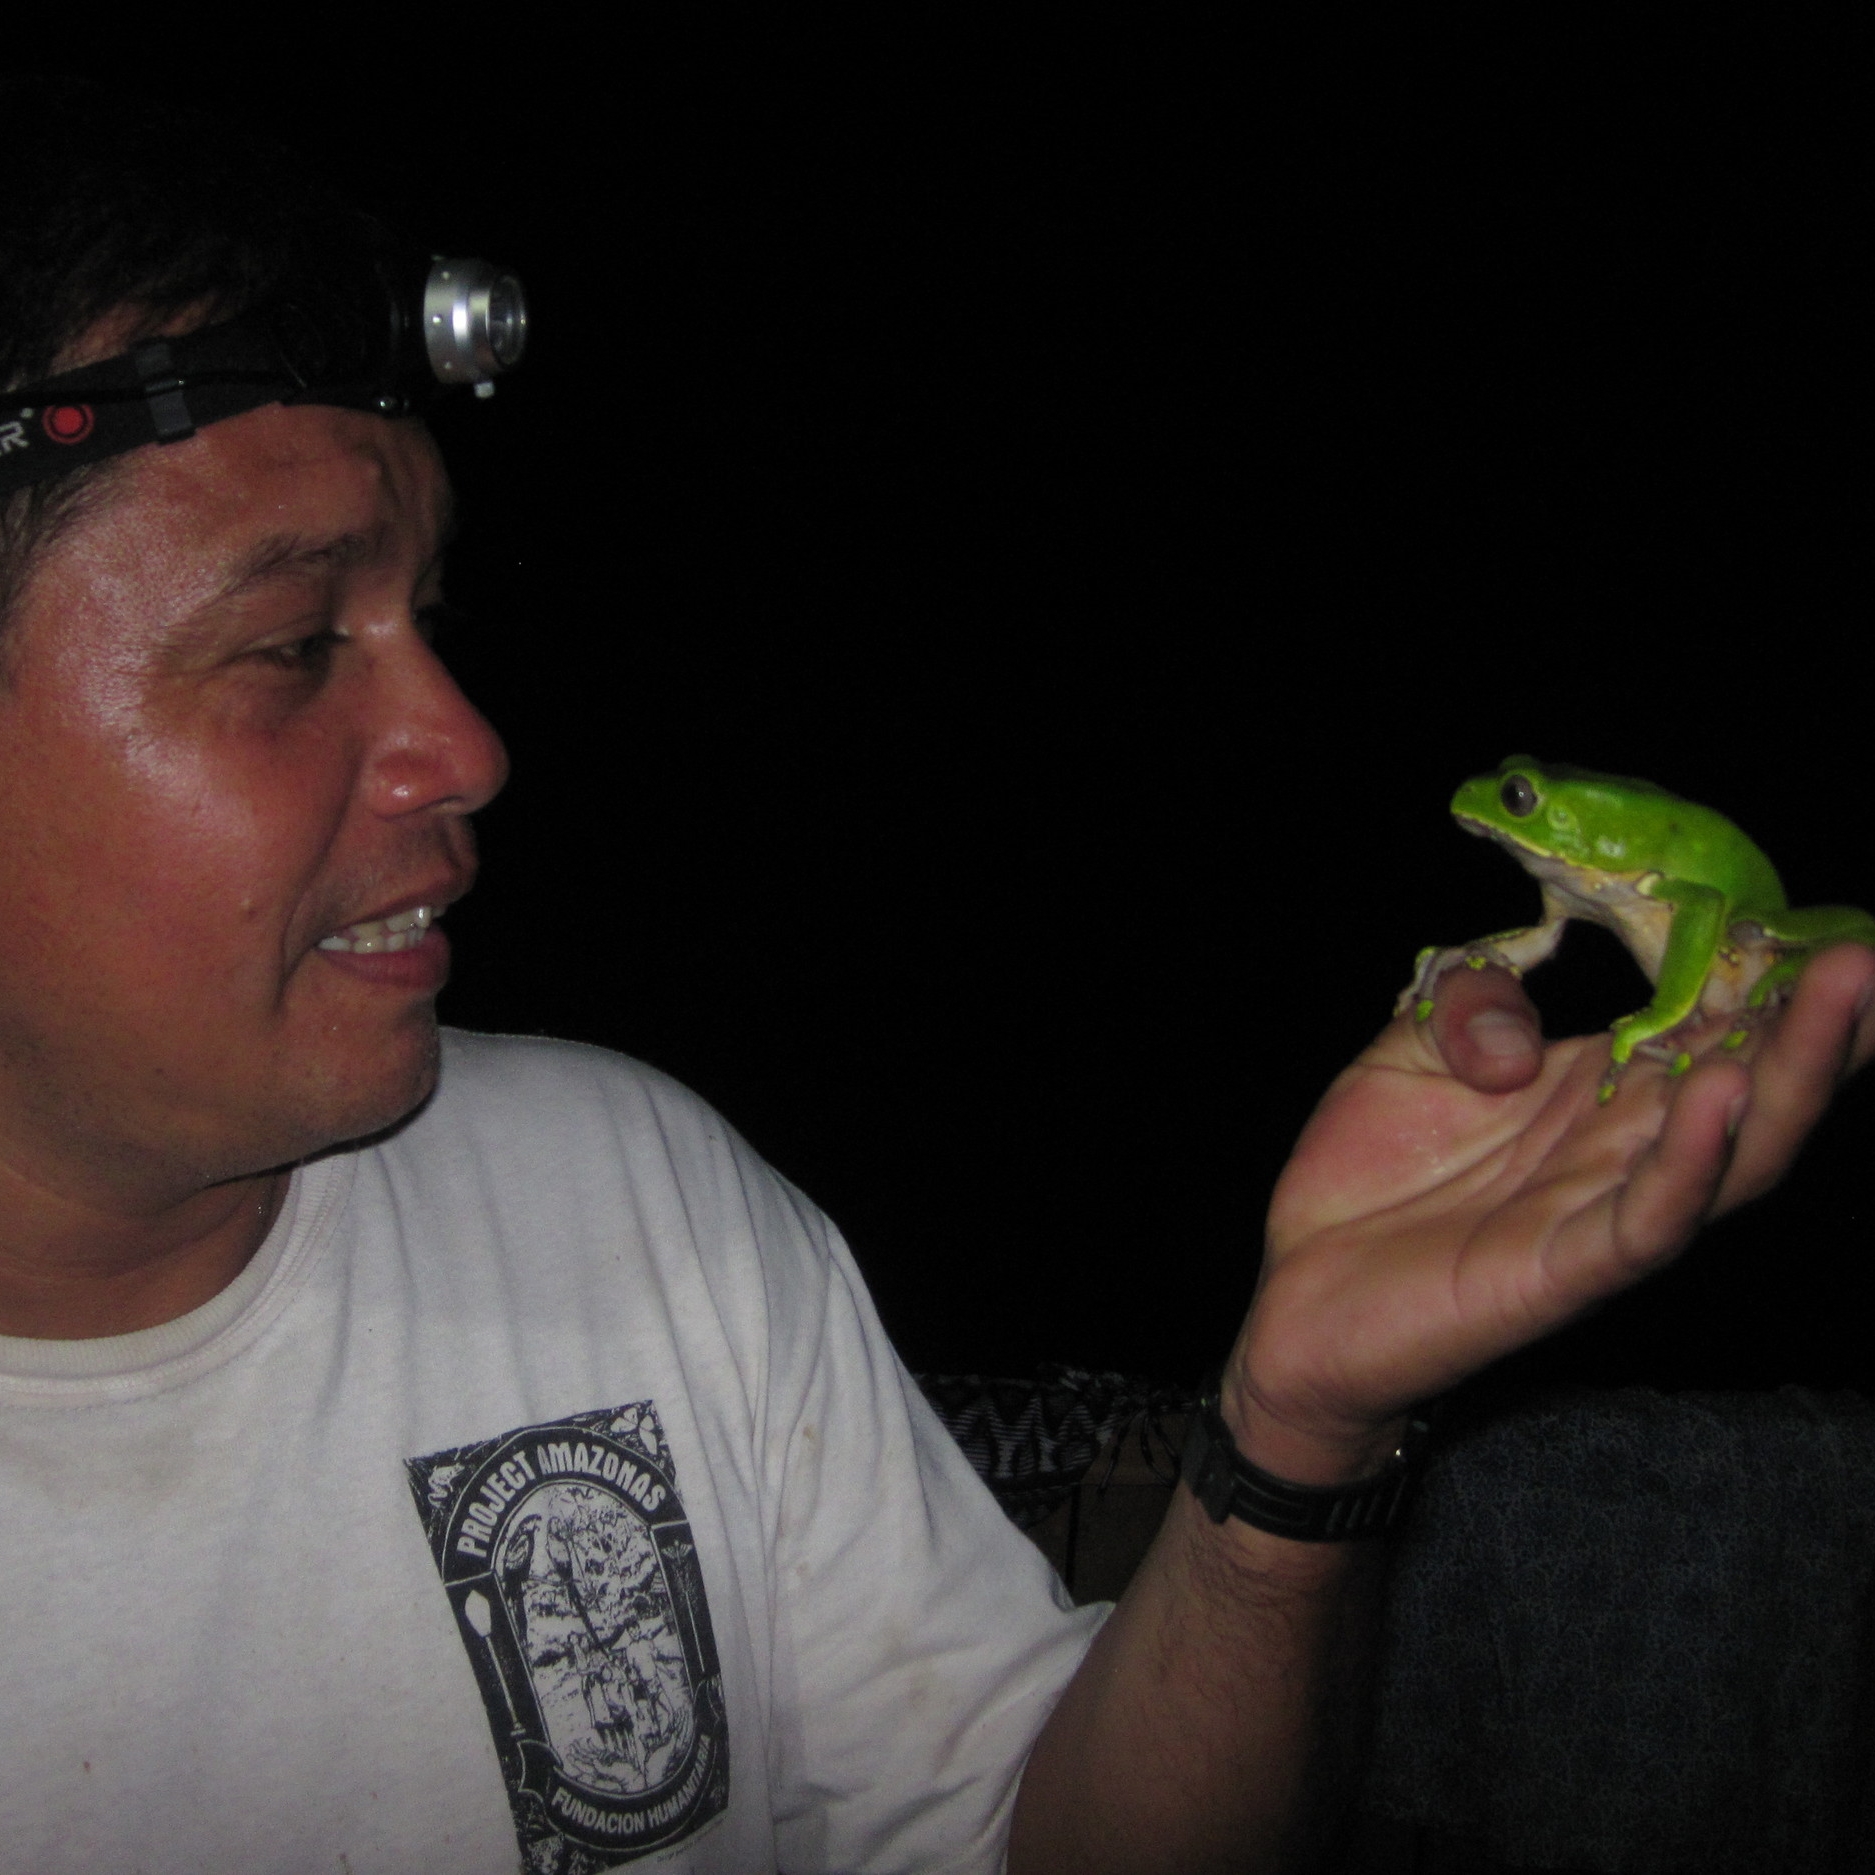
{"x":1677,"y":1048}
{"x":1772,"y":992}
{"x":1677,"y":1061}
{"x":1665,"y":1049}
{"x":1631,"y":1040}
{"x":1432,"y":963}
{"x":1744,"y":1022}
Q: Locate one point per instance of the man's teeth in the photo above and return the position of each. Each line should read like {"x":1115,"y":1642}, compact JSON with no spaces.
{"x":382,"y":934}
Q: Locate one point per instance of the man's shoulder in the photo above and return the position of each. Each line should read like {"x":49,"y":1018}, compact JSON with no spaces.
{"x":524,"y":1082}
{"x":567,"y":1140}
{"x":474,"y":1062}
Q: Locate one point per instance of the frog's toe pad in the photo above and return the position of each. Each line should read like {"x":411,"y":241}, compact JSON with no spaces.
{"x":1680,"y":1063}
{"x":1422,"y":1010}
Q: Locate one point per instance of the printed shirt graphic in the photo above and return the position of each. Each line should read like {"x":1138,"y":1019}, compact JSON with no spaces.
{"x":567,"y":1557}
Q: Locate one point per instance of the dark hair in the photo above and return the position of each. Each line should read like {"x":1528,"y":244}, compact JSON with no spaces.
{"x":109,"y":206}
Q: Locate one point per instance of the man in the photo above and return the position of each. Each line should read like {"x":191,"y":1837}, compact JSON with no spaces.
{"x":409,"y":1451}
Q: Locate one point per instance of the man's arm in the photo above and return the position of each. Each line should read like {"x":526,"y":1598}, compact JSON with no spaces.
{"x":1216,"y":1715}
{"x":1459,"y":1193}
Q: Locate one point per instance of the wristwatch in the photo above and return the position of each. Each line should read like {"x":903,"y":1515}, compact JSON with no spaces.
{"x":1228,"y":1485}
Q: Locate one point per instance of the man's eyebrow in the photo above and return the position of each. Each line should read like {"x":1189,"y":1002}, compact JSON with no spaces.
{"x":281,"y":556}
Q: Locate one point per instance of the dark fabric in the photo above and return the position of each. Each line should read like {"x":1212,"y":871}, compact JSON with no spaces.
{"x":1033,"y":1441}
{"x":1631,"y":1632}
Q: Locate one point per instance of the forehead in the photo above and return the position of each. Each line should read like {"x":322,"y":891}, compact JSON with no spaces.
{"x":279,"y":490}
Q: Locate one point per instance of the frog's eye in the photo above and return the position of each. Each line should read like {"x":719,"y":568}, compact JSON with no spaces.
{"x":1518,"y":796}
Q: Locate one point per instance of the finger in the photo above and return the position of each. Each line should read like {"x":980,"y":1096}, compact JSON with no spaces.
{"x":1486,"y":1030}
{"x":1671,"y":1186}
{"x":1674,"y":1184}
{"x":1857,"y":962}
{"x":1826,"y":1032}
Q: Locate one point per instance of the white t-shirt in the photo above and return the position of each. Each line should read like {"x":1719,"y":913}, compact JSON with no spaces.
{"x":544,"y":1494}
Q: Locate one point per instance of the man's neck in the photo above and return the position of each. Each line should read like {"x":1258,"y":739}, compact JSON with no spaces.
{"x":72,"y":1270}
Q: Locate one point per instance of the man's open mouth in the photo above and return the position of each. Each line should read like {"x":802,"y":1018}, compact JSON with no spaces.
{"x":372,"y":935}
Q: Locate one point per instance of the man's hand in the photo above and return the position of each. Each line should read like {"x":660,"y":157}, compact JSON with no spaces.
{"x":1459,"y":1193}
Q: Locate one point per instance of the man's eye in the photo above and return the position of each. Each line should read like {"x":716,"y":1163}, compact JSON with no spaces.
{"x":311,"y":653}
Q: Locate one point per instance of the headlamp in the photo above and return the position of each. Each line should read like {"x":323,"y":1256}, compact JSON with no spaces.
{"x":474,"y":323}
{"x":389,"y":336}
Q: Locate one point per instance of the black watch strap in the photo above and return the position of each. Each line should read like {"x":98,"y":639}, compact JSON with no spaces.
{"x":1228,"y":1485}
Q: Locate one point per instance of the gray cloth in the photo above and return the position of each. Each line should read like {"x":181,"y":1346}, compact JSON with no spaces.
{"x":1631,"y":1632}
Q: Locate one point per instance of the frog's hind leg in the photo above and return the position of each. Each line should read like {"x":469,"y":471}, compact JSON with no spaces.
{"x":1799,"y":935}
{"x":1768,"y":995}
{"x":1793,"y":938}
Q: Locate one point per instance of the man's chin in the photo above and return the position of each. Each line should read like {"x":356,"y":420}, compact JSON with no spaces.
{"x":349,"y":1105}
{"x":372,"y":1135}
{"x":399,"y":1099}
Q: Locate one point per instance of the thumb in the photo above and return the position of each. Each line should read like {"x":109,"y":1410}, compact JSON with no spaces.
{"x":1485,"y":1030}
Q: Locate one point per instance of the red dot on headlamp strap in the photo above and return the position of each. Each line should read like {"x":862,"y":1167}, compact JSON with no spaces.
{"x":67,"y":423}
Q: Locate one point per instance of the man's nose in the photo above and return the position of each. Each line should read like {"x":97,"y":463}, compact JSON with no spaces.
{"x":435,"y":749}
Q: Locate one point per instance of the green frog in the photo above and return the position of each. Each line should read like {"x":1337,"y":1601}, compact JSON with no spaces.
{"x":1697,"y":903}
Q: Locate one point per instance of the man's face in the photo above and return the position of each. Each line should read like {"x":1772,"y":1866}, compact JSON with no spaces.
{"x":224,"y":741}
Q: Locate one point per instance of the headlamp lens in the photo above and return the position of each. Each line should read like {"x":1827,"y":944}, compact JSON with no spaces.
{"x":507,"y":321}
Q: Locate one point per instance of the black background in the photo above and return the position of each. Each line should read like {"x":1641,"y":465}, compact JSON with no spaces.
{"x":1006,"y":541}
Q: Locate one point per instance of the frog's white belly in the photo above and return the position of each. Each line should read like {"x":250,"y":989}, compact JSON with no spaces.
{"x":1620,"y":901}
{"x":1615,"y":900}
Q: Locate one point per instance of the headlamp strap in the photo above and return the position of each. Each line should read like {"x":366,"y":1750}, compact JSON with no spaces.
{"x":162,"y":391}
{"x":380,"y":334}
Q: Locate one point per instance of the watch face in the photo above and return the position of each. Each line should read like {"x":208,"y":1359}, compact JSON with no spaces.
{"x":1228,"y":1485}
{"x":1205,"y":1466}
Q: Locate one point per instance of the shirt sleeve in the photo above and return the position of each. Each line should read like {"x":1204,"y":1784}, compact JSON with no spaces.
{"x":921,"y":1640}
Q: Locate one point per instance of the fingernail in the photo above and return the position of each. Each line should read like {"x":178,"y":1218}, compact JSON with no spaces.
{"x":1497,"y":1033}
